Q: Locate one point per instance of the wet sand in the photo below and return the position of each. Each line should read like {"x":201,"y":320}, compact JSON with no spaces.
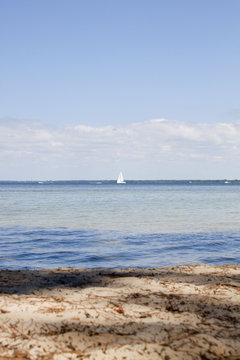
{"x":187,"y":312}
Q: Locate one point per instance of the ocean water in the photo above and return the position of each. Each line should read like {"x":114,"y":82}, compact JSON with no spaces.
{"x":96,"y":224}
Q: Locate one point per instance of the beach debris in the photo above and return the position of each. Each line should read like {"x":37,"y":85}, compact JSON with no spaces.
{"x":186,"y":312}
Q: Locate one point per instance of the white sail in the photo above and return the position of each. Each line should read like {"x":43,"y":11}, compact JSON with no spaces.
{"x":120,"y":179}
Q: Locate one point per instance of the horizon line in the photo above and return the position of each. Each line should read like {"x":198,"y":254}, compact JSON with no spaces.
{"x":75,"y":180}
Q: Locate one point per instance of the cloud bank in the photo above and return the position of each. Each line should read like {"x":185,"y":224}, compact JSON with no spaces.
{"x":156,"y":148}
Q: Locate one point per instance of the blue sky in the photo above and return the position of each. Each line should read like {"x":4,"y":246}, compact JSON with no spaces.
{"x":112,"y":64}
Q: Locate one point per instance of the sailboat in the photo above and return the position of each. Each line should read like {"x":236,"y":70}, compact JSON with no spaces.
{"x":120,"y":179}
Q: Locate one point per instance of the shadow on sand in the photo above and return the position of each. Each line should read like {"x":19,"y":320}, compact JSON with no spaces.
{"x":202,"y":324}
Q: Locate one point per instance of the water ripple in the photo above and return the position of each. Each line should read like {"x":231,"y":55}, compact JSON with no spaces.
{"x":35,"y":248}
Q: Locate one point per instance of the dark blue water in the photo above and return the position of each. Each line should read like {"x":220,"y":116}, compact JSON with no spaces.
{"x":49,"y":248}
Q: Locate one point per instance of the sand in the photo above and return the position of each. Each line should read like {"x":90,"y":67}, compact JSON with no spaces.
{"x":187,"y":312}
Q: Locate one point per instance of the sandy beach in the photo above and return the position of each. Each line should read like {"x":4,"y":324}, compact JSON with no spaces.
{"x":187,"y":312}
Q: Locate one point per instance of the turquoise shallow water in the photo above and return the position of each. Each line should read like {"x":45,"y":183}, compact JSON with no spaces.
{"x":102,"y":224}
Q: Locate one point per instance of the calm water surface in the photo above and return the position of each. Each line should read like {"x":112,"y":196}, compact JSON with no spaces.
{"x":102,"y":224}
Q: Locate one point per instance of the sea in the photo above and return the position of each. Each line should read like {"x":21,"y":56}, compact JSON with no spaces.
{"x":102,"y":224}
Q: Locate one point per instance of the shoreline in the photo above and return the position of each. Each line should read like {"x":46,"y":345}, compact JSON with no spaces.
{"x":174,"y":312}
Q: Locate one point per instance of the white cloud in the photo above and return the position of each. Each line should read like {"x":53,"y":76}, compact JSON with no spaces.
{"x":157,"y":141}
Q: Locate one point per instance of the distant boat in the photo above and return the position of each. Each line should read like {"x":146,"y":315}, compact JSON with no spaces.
{"x":120,"y":179}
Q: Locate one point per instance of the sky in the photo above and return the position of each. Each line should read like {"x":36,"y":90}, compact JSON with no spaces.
{"x":89,"y":88}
